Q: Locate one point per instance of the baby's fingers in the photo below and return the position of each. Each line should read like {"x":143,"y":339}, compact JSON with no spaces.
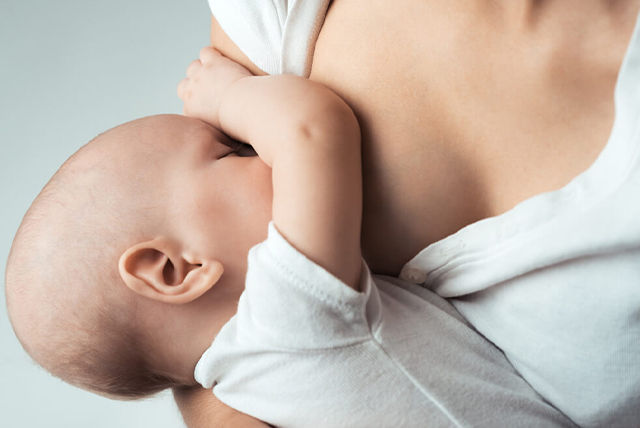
{"x":183,"y":89}
{"x":208,"y":54}
{"x":193,"y":67}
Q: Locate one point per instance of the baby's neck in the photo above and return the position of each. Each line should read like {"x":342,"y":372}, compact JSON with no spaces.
{"x":177,"y":335}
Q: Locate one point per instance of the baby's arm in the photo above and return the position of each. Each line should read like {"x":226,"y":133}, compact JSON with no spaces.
{"x":311,"y":140}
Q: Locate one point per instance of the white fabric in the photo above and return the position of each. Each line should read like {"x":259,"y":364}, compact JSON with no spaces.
{"x":306,"y":350}
{"x":555,"y":282}
{"x":277,"y":35}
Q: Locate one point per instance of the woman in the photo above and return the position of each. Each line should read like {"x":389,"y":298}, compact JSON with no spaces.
{"x":500,"y":101}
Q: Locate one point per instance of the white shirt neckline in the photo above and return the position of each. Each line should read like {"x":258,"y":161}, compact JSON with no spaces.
{"x":494,"y":234}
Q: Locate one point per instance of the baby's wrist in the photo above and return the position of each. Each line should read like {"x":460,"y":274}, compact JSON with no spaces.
{"x":228,"y":101}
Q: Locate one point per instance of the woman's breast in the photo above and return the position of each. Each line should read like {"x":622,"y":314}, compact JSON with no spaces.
{"x":459,"y":123}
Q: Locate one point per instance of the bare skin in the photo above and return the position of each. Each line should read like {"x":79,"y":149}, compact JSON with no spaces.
{"x":492,"y":102}
{"x":516,"y":102}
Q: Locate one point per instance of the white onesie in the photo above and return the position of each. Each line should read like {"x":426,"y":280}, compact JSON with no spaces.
{"x":306,"y":350}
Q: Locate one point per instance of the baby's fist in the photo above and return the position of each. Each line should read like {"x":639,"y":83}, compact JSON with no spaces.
{"x":207,"y":80}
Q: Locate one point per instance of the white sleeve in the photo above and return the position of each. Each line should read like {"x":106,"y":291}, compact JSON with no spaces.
{"x":290,"y":302}
{"x":278,"y":35}
{"x":297,"y":329}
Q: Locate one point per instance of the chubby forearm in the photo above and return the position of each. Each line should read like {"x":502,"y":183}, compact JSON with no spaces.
{"x":317,"y":201}
{"x":311,"y":139}
{"x":275,"y":113}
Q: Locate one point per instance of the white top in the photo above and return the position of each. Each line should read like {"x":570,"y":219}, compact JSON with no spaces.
{"x":306,"y":350}
{"x":277,"y":35}
{"x":555,"y":282}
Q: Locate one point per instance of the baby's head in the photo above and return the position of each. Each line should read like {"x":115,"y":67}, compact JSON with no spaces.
{"x":133,"y":255}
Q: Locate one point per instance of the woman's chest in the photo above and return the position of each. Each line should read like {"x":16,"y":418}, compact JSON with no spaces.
{"x":459,"y":122}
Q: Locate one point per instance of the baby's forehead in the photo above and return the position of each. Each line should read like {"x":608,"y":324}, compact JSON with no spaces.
{"x":147,"y":143}
{"x":173,"y":133}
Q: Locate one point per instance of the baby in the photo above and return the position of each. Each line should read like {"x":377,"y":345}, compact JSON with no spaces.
{"x":133,"y":258}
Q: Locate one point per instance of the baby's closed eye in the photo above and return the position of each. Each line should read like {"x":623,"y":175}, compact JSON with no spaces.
{"x":241,"y":149}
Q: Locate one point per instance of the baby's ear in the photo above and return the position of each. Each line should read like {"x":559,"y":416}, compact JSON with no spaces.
{"x":159,"y":270}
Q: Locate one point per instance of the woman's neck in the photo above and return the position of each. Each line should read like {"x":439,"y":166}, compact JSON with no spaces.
{"x":575,"y":22}
{"x":531,"y":13}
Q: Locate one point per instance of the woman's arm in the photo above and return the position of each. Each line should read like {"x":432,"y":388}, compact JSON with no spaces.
{"x":201,"y":409}
{"x":228,"y":48}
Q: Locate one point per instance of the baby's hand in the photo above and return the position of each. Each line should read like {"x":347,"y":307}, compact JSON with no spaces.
{"x":207,"y":80}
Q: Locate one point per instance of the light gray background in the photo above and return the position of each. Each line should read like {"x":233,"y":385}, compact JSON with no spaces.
{"x":68,"y":71}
